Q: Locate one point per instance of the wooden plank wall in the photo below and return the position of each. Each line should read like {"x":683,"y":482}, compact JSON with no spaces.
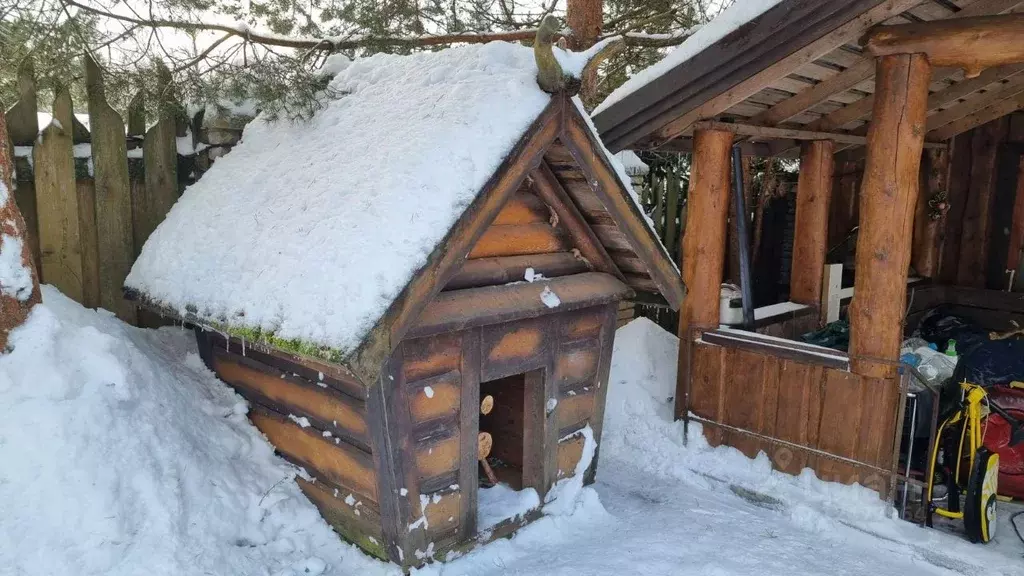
{"x":800,"y":413}
{"x":432,"y":398}
{"x":316,"y":417}
{"x":980,"y":177}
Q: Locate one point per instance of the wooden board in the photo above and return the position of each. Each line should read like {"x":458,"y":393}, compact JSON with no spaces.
{"x":344,"y":467}
{"x":976,"y":233}
{"x":57,"y":203}
{"x":357,"y":523}
{"x":341,"y":416}
{"x":520,"y":239}
{"x":801,"y":414}
{"x":504,"y":270}
{"x":113,"y":201}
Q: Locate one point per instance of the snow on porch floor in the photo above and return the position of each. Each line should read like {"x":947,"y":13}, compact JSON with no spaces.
{"x":121,"y":454}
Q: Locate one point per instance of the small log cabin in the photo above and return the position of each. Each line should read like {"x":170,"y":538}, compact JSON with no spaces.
{"x":904,"y":115}
{"x":416,"y":290}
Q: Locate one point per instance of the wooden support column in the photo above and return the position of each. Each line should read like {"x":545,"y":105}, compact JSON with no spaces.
{"x":888,"y":199}
{"x":810,"y":237}
{"x":703,"y":249}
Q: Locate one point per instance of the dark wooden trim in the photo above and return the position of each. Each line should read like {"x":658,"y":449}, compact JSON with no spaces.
{"x":790,"y":350}
{"x":450,"y":254}
{"x":539,"y":428}
{"x":359,"y":456}
{"x":502,"y":270}
{"x":461,"y":309}
{"x":602,"y":384}
{"x":551,"y":192}
{"x":603,"y":180}
{"x":774,"y":36}
{"x":469,"y":426}
{"x":388,"y":478}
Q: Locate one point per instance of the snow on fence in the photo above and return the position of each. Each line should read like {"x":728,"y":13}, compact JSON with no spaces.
{"x":92,"y":189}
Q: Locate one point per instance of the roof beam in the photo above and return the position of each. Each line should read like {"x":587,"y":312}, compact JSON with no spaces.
{"x":762,"y":79}
{"x":856,"y":74}
{"x":973,"y":44}
{"x":790,"y":133}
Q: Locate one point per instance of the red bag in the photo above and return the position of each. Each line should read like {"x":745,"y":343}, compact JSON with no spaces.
{"x":997,"y":439}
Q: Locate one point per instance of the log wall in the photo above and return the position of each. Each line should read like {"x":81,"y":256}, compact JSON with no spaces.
{"x":433,"y":417}
{"x":974,"y":241}
{"x":801,"y":406}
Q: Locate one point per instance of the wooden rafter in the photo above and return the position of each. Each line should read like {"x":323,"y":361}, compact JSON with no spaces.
{"x":997,"y":110}
{"x":857,"y":73}
{"x":991,"y":96}
{"x":790,"y":133}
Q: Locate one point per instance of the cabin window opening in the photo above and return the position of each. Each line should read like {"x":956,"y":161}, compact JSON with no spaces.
{"x":504,"y":492}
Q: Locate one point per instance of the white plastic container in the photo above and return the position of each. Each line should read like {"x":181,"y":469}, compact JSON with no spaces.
{"x":730,"y":311}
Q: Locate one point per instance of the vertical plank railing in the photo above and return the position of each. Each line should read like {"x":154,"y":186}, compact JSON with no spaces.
{"x":57,"y":203}
{"x":113,"y":202}
{"x":89,"y":209}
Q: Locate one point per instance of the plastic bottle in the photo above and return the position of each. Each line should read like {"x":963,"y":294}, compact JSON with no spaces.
{"x":951,"y":348}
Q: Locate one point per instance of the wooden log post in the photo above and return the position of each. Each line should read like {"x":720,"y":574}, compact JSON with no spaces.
{"x":888,"y":198}
{"x":810,"y":236}
{"x":704,"y":245}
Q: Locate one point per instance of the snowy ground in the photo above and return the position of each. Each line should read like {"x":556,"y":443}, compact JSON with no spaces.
{"x":121,"y":454}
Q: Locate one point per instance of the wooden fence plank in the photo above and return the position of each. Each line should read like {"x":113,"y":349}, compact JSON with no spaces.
{"x":86,"y":190}
{"x":57,"y":201}
{"x":160,"y":156}
{"x":112,"y":197}
{"x":22,"y":121}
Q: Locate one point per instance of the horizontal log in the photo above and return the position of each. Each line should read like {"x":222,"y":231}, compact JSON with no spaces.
{"x":772,"y":132}
{"x":358,"y":523}
{"x":524,"y":207}
{"x":502,"y":270}
{"x":332,"y":375}
{"x":516,"y":240}
{"x":577,"y":363}
{"x":342,"y":466}
{"x":582,"y":324}
{"x":569,"y":453}
{"x":460,"y":309}
{"x":438,"y":458}
{"x":329,"y":410}
{"x":429,"y":357}
{"x":442,"y":511}
{"x":436,"y":397}
{"x":574,"y":408}
{"x":969,"y":43}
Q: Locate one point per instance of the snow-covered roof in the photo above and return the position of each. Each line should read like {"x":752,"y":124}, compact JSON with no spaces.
{"x":736,"y":15}
{"x":309,"y":230}
{"x":632,"y":163}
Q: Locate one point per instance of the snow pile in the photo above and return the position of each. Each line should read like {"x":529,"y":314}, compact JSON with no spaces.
{"x":736,"y":15}
{"x":15,"y":277}
{"x":501,"y":502}
{"x":123,"y":454}
{"x":632,"y":163}
{"x":349,"y":203}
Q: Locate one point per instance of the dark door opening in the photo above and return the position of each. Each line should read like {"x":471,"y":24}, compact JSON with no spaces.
{"x":506,"y":425}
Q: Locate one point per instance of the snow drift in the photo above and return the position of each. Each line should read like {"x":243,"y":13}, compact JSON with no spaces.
{"x":122,"y":454}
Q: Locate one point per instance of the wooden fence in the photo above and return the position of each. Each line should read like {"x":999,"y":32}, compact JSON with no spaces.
{"x":92,"y":189}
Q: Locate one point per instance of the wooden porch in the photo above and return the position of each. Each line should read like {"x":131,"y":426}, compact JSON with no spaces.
{"x":904,"y":117}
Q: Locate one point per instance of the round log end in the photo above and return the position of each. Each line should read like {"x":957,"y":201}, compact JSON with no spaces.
{"x":484,"y":443}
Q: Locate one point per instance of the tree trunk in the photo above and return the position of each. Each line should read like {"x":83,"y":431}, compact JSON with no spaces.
{"x":19,"y":285}
{"x":584,"y":18}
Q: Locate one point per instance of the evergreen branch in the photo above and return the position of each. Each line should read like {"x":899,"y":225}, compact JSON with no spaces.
{"x":270,"y":39}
